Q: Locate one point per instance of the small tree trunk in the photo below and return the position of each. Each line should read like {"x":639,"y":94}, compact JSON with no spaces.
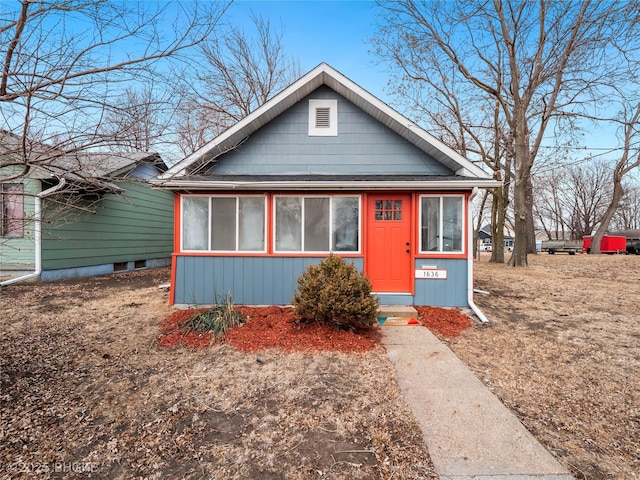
{"x":531,"y":229}
{"x":476,"y":253}
{"x":498,"y":215}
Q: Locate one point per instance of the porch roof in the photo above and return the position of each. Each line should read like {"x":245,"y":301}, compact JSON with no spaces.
{"x":325,"y":182}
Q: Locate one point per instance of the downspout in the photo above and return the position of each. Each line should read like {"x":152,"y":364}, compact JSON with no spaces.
{"x":472,"y":305}
{"x":37,"y":233}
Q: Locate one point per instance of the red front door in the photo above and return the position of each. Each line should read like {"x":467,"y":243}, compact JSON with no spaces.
{"x":388,"y":253}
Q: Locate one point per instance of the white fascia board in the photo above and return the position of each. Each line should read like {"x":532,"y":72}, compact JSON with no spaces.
{"x":176,"y":184}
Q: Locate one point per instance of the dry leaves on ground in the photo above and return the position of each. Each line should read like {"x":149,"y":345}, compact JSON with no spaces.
{"x":86,"y":389}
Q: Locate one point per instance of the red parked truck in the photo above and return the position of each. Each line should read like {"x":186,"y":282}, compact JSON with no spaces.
{"x":609,"y":244}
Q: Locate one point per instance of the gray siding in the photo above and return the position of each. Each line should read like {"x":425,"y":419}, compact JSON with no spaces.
{"x":363,"y":146}
{"x":250,"y":280}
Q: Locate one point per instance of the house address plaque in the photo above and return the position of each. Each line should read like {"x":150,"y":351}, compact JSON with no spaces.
{"x":431,"y":273}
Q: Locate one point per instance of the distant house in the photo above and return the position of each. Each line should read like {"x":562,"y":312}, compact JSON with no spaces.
{"x":486,"y":239}
{"x":323,"y":167}
{"x":82,"y":215}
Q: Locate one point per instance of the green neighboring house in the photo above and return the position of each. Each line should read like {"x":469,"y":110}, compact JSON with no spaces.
{"x":80,"y":215}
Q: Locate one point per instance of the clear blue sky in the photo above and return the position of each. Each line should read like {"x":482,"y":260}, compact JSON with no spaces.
{"x":315,"y":31}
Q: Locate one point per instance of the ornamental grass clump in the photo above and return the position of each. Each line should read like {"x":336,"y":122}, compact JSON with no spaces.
{"x":335,"y":293}
{"x":217,"y":319}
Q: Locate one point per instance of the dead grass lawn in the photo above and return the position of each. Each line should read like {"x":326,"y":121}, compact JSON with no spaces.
{"x":564,"y":355}
{"x":86,"y":392}
{"x":85,"y":388}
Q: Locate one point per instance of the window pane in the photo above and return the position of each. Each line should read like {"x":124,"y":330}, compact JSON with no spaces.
{"x":316,"y":224}
{"x":289,"y":224}
{"x":430,"y":224}
{"x":195,"y":223}
{"x":346,"y":224}
{"x":397,"y":210}
{"x":223,"y":223}
{"x":12,"y":210}
{"x":252,"y":224}
{"x":452,"y":224}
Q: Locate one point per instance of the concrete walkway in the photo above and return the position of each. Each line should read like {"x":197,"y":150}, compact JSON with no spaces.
{"x":469,"y":432}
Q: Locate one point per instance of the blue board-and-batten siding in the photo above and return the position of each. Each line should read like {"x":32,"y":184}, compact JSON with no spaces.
{"x":272,"y":281}
{"x":250,"y":280}
{"x":451,"y":292}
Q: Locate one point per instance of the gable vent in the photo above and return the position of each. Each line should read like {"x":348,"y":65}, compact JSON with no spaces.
{"x":322,"y":117}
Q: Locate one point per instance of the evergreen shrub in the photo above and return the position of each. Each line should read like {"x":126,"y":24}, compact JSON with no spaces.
{"x":335,"y":293}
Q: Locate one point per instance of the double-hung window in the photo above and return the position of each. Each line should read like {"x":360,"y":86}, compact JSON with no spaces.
{"x":441,"y":223}
{"x":317,"y":224}
{"x":224,"y":223}
{"x":11,"y":210}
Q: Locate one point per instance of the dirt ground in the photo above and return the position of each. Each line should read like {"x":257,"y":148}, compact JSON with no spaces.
{"x":564,"y":355}
{"x":87,"y":392}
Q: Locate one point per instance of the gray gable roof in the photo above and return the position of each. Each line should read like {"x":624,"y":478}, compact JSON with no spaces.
{"x":82,"y":168}
{"x":323,"y":74}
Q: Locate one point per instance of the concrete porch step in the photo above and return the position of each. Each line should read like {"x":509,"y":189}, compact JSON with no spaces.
{"x":403,"y":311}
{"x":397,"y":315}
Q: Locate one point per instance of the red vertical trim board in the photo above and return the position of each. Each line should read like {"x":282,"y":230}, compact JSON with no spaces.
{"x":465,"y":223}
{"x":364,"y":198}
{"x":176,"y":223}
{"x":172,"y":290}
{"x":415,"y":228}
{"x":176,"y":246}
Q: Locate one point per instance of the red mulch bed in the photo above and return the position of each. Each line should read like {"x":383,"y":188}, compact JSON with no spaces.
{"x":444,"y":322}
{"x":275,"y":327}
{"x":172,"y":334}
{"x":272,"y":327}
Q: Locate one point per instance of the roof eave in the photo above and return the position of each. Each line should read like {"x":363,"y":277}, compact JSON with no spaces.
{"x":177,"y":184}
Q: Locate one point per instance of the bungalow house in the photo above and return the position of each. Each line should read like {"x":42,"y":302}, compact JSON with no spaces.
{"x":324,"y":166}
{"x":486,"y":242}
{"x":76,"y":215}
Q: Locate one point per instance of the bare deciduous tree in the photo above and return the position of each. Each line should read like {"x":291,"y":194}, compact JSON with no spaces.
{"x":543,"y":62}
{"x":571,"y":201}
{"x":628,"y":161}
{"x":550,"y":205}
{"x":470,"y":124}
{"x":64,"y":63}
{"x":587,"y":193}
{"x":238,"y":73}
{"x":138,"y":121}
{"x":627,"y":216}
